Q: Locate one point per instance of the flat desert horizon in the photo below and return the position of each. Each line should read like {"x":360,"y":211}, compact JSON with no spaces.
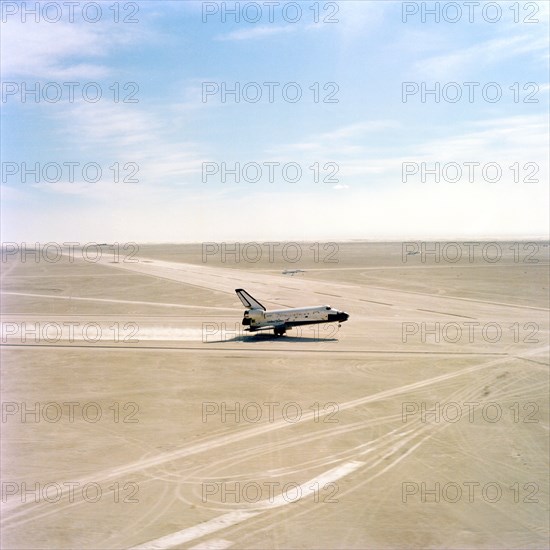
{"x":137,"y":413}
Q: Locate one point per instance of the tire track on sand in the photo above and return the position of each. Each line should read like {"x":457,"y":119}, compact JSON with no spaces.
{"x":143,"y":464}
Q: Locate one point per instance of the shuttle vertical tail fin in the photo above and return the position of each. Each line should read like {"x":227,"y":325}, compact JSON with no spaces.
{"x":247,"y":300}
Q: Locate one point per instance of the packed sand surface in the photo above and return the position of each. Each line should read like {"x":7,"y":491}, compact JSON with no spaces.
{"x":136,"y":412}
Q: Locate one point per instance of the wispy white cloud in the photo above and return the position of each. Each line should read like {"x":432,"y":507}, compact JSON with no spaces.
{"x":491,"y":52}
{"x":62,"y":50}
{"x":360,"y":129}
{"x":360,"y":152}
{"x":506,"y":139}
{"x":129,"y":134}
{"x":472,"y":54}
{"x":346,"y":141}
{"x":260,"y":32}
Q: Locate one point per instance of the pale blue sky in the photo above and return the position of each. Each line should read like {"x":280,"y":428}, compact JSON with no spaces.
{"x":368,"y":133}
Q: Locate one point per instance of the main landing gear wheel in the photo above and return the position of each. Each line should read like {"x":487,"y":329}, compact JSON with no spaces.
{"x":279,"y":331}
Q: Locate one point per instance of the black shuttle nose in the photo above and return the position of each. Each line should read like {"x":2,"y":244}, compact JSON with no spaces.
{"x":338,"y":316}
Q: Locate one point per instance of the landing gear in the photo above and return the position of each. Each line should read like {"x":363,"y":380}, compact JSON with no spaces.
{"x":279,"y":331}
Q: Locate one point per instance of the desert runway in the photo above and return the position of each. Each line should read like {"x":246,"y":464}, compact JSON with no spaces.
{"x":136,"y":413}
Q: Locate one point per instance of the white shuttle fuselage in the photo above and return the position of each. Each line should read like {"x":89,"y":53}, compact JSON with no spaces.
{"x":256,"y":317}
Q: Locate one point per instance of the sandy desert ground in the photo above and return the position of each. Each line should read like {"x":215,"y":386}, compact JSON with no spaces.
{"x":137,"y":414}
